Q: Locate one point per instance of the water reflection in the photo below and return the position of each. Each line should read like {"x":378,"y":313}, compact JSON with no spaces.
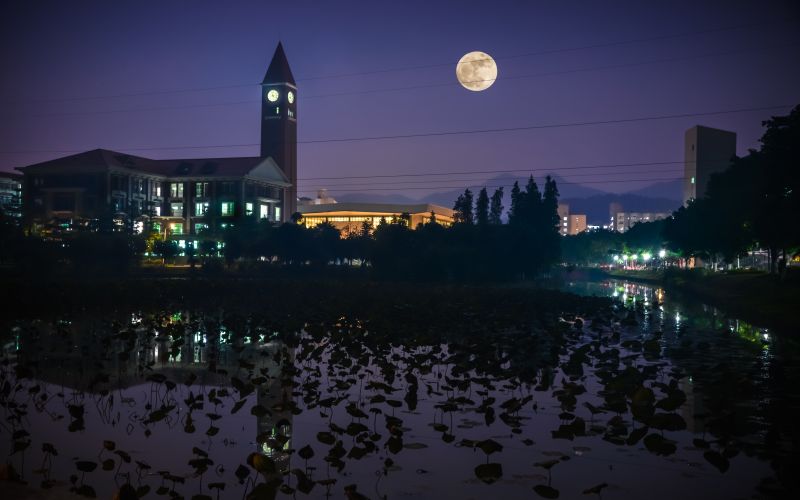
{"x":484,"y":405}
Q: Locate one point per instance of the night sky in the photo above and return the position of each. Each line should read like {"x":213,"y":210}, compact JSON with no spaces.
{"x":376,"y":68}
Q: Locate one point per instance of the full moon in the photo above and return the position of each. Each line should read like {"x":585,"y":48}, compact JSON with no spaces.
{"x":476,"y":71}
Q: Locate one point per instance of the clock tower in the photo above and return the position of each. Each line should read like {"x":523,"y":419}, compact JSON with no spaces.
{"x":279,"y":124}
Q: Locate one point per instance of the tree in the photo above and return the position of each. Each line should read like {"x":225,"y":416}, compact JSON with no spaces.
{"x":496,"y":209}
{"x":513,"y":213}
{"x":463,"y":208}
{"x":482,"y":208}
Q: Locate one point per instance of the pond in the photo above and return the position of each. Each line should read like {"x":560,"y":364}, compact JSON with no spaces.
{"x":647,"y":396}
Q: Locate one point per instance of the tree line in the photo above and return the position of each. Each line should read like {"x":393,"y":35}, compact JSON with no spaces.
{"x":479,"y":246}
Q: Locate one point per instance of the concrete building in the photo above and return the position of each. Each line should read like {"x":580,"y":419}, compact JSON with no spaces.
{"x":350,"y":217}
{"x":179,"y":196}
{"x":622,"y":221}
{"x":706,"y":151}
{"x":11,"y":195}
{"x":570,"y":224}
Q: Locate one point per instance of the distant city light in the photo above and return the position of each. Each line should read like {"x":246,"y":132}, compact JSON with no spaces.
{"x":616,"y":258}
{"x":646,"y":256}
{"x":634,"y":256}
{"x":662,"y":253}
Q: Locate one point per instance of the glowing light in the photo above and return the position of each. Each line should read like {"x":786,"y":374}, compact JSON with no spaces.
{"x":616,"y":258}
{"x":647,"y":256}
{"x":625,"y":257}
{"x":634,"y":256}
{"x":766,"y":336}
{"x":662,"y":253}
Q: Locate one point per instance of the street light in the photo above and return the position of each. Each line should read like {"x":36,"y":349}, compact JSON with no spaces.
{"x":646,"y":256}
{"x":662,"y":253}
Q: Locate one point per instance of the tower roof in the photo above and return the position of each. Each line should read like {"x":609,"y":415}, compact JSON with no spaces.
{"x":279,"y":71}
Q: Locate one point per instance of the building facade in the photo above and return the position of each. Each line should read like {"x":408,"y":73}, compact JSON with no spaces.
{"x":350,"y":217}
{"x":570,"y":224}
{"x":706,"y":151}
{"x":622,"y":221}
{"x":178,"y":196}
{"x":11,"y":195}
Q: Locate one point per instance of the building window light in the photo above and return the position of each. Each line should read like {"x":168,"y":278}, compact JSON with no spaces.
{"x":248,"y":209}
{"x":692,"y":180}
{"x":227,"y":208}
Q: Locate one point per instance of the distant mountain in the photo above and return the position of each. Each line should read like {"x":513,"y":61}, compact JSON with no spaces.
{"x":660,"y":197}
{"x":672,"y":190}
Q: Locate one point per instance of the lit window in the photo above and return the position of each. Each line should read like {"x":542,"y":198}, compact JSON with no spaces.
{"x":176,"y":228}
{"x":692,"y":180}
{"x":157,"y":210}
{"x":199,"y":228}
{"x":201,"y":208}
{"x":176,"y":189}
{"x":226,"y":208}
{"x":248,"y":209}
{"x":264,"y":212}
{"x":201,"y":189}
{"x":278,"y":213}
{"x":176,"y":209}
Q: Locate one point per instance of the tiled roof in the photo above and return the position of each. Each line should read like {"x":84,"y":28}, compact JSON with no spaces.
{"x":98,"y":160}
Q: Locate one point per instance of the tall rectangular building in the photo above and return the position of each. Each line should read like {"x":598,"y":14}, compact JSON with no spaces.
{"x":707,"y":151}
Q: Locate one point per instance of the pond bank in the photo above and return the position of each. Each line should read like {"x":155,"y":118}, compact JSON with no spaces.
{"x":755,"y":297}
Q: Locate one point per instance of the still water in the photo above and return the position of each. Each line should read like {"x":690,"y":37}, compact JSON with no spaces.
{"x":651,"y":397}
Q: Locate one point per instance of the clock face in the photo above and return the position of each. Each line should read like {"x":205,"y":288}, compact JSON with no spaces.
{"x":290,"y":96}
{"x":272,"y":95}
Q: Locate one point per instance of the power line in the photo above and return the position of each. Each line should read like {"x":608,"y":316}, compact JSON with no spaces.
{"x":408,"y":68}
{"x":428,"y":181}
{"x":444,"y":133}
{"x":620,"y":181}
{"x":524,"y":170}
{"x":425,"y":86}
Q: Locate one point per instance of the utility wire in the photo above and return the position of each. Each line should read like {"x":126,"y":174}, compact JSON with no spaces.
{"x":619,"y":181}
{"x":409,"y":68}
{"x":523,"y":170}
{"x":425,"y":86}
{"x":444,"y":133}
{"x":428,"y":181}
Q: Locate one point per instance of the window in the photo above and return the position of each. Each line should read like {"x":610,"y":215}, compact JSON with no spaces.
{"x":201,"y":208}
{"x":176,"y":228}
{"x":176,"y":209}
{"x":263,"y":212}
{"x":692,"y":180}
{"x":226,"y":188}
{"x":157,"y":210}
{"x":278,"y":214}
{"x":157,"y":189}
{"x":248,"y":209}
{"x":201,"y":189}
{"x":200,"y":227}
{"x":157,"y":226}
{"x":176,"y":189}
{"x":226,"y":208}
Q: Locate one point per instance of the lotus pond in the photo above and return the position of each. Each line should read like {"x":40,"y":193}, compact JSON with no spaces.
{"x":461,"y":394}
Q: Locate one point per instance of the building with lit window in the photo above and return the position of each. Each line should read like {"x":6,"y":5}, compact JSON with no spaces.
{"x":177,"y":196}
{"x":350,"y":217}
{"x":570,"y":224}
{"x":11,"y":195}
{"x":622,"y":221}
{"x":706,"y":151}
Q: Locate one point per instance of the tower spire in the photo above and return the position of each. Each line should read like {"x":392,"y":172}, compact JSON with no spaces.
{"x":279,"y":71}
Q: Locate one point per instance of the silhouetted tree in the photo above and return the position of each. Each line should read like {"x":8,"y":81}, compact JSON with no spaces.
{"x":496,"y":208}
{"x":482,"y":208}
{"x":463,"y":208}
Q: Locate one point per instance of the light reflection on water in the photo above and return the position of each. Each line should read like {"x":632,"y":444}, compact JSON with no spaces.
{"x":112,"y":367}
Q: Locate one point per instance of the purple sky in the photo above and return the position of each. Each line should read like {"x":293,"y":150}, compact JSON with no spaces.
{"x":57,"y":54}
